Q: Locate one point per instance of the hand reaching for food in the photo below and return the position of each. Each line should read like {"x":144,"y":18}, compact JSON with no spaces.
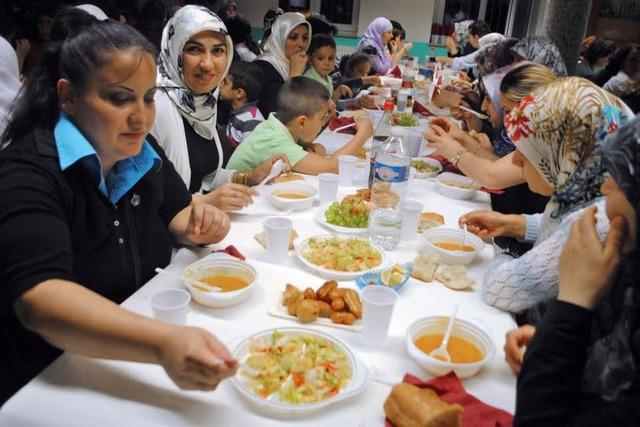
{"x":230,"y":197}
{"x":340,"y":92}
{"x":487,"y":224}
{"x":515,"y":345}
{"x":195,"y":360}
{"x":367,"y":102}
{"x":260,"y":172}
{"x":442,"y":141}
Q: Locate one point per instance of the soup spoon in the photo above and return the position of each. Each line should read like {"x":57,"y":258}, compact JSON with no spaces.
{"x":441,"y":352}
{"x":475,"y":113}
{"x":276,"y":170}
{"x":466,"y":232}
{"x":202,"y":286}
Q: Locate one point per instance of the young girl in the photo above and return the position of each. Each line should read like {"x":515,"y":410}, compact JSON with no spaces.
{"x":322,"y":55}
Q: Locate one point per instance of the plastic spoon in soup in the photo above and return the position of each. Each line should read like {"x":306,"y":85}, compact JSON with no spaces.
{"x":276,"y":170}
{"x":466,"y":232}
{"x":441,"y":352}
{"x":201,"y":286}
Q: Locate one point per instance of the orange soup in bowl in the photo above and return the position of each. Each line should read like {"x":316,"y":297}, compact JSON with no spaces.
{"x":460,"y":350}
{"x":225,"y":282}
{"x":450,"y":246}
{"x":291,"y":194}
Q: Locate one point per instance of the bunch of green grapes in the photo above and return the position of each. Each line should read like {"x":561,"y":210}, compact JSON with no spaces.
{"x":339,"y":214}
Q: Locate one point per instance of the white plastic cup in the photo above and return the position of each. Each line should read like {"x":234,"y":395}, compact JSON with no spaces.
{"x":277,"y":231}
{"x":377,"y":309}
{"x":401,"y":101}
{"x":347,"y":167}
{"x":171,"y":305}
{"x":410,"y":210}
{"x":413,"y":142}
{"x":328,"y":187}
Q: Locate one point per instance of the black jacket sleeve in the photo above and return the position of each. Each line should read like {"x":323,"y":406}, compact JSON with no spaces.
{"x":271,"y":84}
{"x":549,"y":391}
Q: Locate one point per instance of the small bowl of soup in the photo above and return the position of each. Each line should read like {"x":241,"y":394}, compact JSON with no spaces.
{"x":234,"y":277}
{"x":470,"y":346}
{"x":456,"y":186}
{"x":450,"y":246}
{"x":296,"y":196}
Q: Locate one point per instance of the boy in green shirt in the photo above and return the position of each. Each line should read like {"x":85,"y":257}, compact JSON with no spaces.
{"x":322,"y":56}
{"x":302,"y":109}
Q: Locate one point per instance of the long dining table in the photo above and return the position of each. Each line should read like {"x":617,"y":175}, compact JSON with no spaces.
{"x":80,"y":391}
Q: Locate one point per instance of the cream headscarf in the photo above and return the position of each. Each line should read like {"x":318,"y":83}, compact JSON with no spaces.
{"x":275,"y":46}
{"x":198,"y":109}
{"x":560,"y":129}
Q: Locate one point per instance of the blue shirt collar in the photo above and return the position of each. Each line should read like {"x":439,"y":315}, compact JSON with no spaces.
{"x":73,"y":147}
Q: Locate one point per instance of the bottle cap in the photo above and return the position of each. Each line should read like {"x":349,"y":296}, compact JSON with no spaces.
{"x":388,"y":105}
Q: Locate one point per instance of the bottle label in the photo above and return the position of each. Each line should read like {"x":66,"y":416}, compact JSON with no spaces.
{"x":389,"y":173}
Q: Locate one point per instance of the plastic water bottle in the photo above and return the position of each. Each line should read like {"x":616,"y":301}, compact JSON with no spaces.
{"x":380,"y":135}
{"x":390,"y":180}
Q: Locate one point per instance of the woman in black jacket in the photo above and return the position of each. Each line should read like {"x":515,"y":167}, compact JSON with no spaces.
{"x":581,"y":367}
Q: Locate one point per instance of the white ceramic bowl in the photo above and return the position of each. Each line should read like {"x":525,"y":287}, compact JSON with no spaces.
{"x":359,"y":377}
{"x":223,"y":265}
{"x":451,"y":235}
{"x":444,"y":179}
{"x":461,"y":329}
{"x":432,"y":162}
{"x":293,"y":204}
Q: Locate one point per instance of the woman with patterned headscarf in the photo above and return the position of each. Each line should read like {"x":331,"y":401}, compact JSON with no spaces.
{"x":558,"y":133}
{"x":581,"y":364}
{"x":285,"y":56}
{"x":541,"y":50}
{"x":196,"y":53}
{"x":374,"y":43}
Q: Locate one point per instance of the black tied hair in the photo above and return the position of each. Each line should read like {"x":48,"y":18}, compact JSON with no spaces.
{"x":300,"y":96}
{"x":479,"y":28}
{"x":239,"y":29}
{"x":599,"y":49}
{"x":348,"y":63}
{"x":398,"y":30}
{"x":318,"y":41}
{"x":248,"y":77}
{"x":78,"y":47}
{"x":320,"y":25}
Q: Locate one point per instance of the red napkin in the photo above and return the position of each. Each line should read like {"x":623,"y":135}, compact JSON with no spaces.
{"x":233,"y":251}
{"x":396,"y":72}
{"x":418,"y":108}
{"x":337,"y":122}
{"x":476,"y":413}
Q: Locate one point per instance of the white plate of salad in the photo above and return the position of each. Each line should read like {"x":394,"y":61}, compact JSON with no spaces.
{"x":294,"y":370}
{"x":337,"y":257}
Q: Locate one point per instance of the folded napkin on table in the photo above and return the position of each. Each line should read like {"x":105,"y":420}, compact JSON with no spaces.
{"x":420,"y":109}
{"x":337,"y":122}
{"x":396,"y":72}
{"x":476,"y":413}
{"x":233,"y":251}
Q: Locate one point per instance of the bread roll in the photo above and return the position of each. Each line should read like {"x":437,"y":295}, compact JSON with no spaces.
{"x":286,"y":177}
{"x":430,"y":220}
{"x":411,"y":406}
{"x":424,"y":267}
{"x":454,"y":277}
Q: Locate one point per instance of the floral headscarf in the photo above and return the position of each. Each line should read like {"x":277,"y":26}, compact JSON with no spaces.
{"x":541,"y":50}
{"x":275,"y":46}
{"x":198,"y":109}
{"x":373,"y":37}
{"x":560,"y":129}
{"x":610,"y":368}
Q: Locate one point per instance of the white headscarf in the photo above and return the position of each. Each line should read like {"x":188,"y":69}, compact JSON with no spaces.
{"x":489,"y":40}
{"x":94,"y":10}
{"x":9,"y":80}
{"x":275,"y":46}
{"x":198,"y":109}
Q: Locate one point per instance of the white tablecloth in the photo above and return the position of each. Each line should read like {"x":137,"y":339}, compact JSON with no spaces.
{"x":77,"y":391}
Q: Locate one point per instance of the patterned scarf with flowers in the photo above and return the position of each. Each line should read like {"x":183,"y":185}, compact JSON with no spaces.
{"x":560,"y":129}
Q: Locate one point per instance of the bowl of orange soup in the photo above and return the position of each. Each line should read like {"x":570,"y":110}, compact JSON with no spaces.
{"x":470,"y":347}
{"x":236,"y":279}
{"x":293,"y":195}
{"x":450,"y":246}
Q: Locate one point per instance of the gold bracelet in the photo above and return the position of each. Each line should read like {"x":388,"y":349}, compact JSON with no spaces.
{"x":456,"y":158}
{"x":240,"y":177}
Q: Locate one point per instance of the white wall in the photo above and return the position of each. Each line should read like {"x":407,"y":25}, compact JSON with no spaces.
{"x":414,"y":15}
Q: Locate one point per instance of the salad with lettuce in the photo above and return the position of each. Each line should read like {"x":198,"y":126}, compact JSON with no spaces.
{"x":296,"y":368}
{"x":342,"y":254}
